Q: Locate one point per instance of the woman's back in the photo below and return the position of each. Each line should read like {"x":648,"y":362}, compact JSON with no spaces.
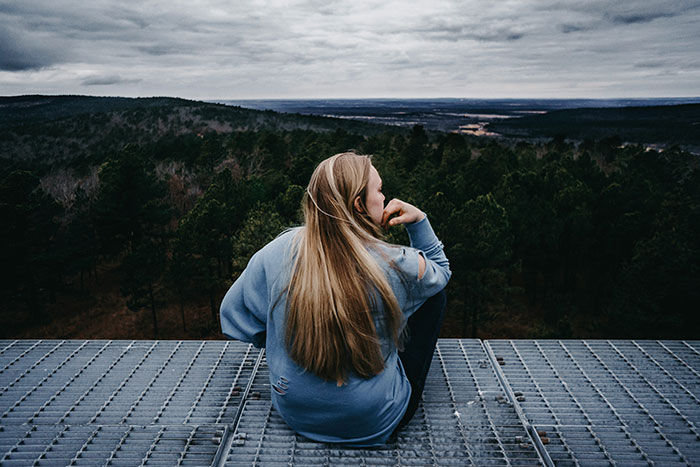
{"x":329,"y":301}
{"x":363,"y":411}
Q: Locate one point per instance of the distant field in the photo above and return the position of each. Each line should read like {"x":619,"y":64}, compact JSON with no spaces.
{"x":657,"y":125}
{"x":662,"y":121}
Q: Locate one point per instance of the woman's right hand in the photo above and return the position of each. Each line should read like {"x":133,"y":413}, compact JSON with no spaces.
{"x":407,"y":213}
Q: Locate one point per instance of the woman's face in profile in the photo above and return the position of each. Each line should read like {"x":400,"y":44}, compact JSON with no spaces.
{"x":374,"y":199}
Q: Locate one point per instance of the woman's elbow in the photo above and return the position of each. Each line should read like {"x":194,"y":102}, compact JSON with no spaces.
{"x":448,"y":274}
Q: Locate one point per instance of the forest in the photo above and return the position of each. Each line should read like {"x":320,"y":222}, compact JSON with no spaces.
{"x":151,"y":210}
{"x":656,"y":125}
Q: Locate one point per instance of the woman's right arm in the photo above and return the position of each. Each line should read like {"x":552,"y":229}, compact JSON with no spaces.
{"x":433,"y":266}
{"x":437,"y":267}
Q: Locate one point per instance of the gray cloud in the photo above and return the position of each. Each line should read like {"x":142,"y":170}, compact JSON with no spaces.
{"x":449,"y":29}
{"x":19,"y":51}
{"x":343,"y":48}
{"x":569,"y":28}
{"x":108,"y":80}
{"x":650,"y":64}
{"x":158,"y":49}
{"x":633,"y":18}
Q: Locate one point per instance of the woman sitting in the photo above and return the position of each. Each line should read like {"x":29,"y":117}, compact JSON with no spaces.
{"x":330,"y":301}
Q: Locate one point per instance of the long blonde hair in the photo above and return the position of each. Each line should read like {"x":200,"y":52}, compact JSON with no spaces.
{"x":336,"y":282}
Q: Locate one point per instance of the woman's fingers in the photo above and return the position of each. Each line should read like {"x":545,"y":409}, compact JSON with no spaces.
{"x":391,"y":208}
{"x":407,"y":213}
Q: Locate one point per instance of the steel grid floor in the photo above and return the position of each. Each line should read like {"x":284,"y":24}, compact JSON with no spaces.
{"x":497,"y":402}
{"x":608,"y":402}
{"x":118,"y":402}
{"x":464,"y":419}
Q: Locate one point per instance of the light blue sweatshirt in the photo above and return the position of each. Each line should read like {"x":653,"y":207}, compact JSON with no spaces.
{"x":362,"y":412}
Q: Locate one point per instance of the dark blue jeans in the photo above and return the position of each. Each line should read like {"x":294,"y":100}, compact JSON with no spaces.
{"x":423,"y":331}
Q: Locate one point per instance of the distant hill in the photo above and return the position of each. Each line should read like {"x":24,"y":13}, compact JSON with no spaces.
{"x":662,"y":125}
{"x":50,"y":130}
{"x":18,"y":110}
{"x":47,"y":129}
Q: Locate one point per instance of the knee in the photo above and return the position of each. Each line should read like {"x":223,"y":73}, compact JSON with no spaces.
{"x":439,"y":299}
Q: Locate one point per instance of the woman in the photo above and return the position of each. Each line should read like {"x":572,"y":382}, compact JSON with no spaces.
{"x":329,"y":301}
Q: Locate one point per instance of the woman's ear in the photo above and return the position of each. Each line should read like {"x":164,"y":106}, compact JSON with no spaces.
{"x":358,"y":205}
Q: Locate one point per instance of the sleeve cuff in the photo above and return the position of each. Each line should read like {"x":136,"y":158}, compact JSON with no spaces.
{"x":421,"y":233}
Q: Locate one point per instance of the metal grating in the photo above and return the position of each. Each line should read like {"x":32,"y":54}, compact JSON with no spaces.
{"x":118,"y":402}
{"x":520,"y":402}
{"x":608,"y":402}
{"x":464,"y":419}
{"x":90,"y":445}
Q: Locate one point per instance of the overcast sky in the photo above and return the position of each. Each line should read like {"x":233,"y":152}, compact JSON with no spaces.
{"x":248,"y":49}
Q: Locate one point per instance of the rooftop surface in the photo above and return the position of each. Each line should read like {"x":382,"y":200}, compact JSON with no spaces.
{"x":495,"y":402}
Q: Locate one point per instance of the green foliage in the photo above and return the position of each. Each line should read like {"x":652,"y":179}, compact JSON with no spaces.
{"x":480,"y":248}
{"x":129,"y":204}
{"x":415,"y":147}
{"x":77,"y":240}
{"x":482,"y":235}
{"x":31,"y":263}
{"x":202,"y":250}
{"x":660,"y":280}
{"x":590,"y":239}
{"x":670,"y":124}
{"x":142,"y":269}
{"x":289,"y":204}
{"x":210,"y":153}
{"x":261,"y":226}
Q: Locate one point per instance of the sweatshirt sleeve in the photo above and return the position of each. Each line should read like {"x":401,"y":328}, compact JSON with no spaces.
{"x":244,"y":308}
{"x":437,"y":266}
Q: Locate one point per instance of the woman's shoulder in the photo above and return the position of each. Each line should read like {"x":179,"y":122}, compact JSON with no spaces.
{"x":277,"y":252}
{"x":286,"y":235}
{"x":280,"y":244}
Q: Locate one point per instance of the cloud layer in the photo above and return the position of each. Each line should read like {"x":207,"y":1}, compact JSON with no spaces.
{"x":361,"y":48}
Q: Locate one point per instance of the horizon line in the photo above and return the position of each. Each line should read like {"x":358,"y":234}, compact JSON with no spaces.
{"x":349,"y":98}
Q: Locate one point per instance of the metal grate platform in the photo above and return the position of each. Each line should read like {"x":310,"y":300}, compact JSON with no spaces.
{"x":118,"y":402}
{"x":608,"y":402}
{"x":497,"y":402}
{"x":465,"y":419}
